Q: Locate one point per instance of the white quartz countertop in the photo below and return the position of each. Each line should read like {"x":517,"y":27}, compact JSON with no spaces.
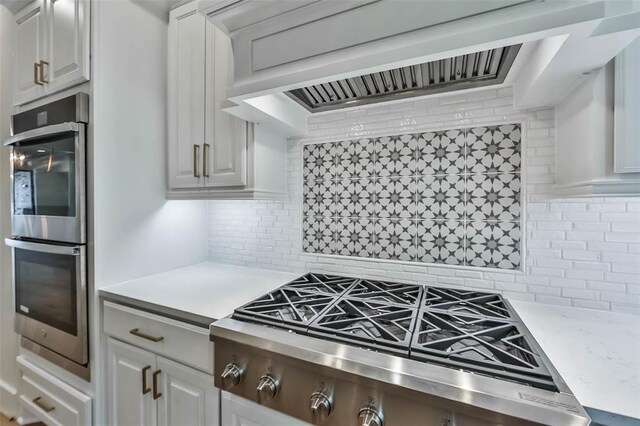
{"x":199,"y":294}
{"x":597,"y":353}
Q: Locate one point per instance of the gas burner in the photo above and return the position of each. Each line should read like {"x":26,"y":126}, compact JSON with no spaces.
{"x":486,"y":346}
{"x":383,"y":327}
{"x":285,"y":306}
{"x":321,"y":283}
{"x":468,"y":303}
{"x":386,"y":292}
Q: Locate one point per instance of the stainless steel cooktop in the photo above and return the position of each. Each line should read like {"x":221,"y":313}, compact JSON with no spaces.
{"x":469,"y":350}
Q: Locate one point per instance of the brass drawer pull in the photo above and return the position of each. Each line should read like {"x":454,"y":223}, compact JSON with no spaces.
{"x":145,"y":389}
{"x":138,"y":333}
{"x":205,"y":158}
{"x":42,"y":64}
{"x":35,"y":74}
{"x":196,"y":154}
{"x":156,"y":394}
{"x":41,"y":405}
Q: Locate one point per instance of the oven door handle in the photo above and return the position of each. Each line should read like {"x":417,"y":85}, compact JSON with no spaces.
{"x":42,"y":132}
{"x":44,"y":248}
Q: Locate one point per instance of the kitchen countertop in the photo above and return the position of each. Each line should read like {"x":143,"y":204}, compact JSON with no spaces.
{"x":596,"y":352}
{"x":198,"y":294}
{"x":579,"y":342}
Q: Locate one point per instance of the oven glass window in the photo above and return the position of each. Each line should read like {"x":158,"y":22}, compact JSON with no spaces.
{"x":46,"y":288}
{"x":44,"y":181}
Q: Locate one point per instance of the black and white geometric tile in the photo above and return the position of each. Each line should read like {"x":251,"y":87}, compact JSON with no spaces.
{"x":395,"y":239}
{"x":493,"y":197}
{"x":355,"y":237}
{"x":494,"y":149}
{"x":493,"y":244}
{"x":440,"y":242}
{"x":444,"y":197}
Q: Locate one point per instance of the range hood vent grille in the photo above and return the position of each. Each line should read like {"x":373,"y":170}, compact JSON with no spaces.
{"x":485,"y":68}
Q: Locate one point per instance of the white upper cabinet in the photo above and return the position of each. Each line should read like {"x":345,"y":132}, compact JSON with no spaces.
{"x":212,"y":154}
{"x":627,"y":110}
{"x":52,"y":48}
{"x":30,"y":49}
{"x":68,"y":44}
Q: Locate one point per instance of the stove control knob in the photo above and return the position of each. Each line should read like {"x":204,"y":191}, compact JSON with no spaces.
{"x":231,"y":376}
{"x":267,"y":388}
{"x":321,"y":406}
{"x":369,"y":416}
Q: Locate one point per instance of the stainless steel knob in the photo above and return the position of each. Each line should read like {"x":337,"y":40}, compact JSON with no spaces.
{"x":321,"y":406}
{"x":368,"y":416}
{"x":231,"y":376}
{"x":267,"y":388}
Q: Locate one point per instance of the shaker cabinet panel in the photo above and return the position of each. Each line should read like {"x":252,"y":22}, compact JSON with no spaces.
{"x":30,"y":50}
{"x":227,"y":135}
{"x":237,"y":411}
{"x":186,"y":96}
{"x":52,"y":48}
{"x":129,"y":375}
{"x":68,"y":44}
{"x":188,"y":396}
{"x":627,"y":110}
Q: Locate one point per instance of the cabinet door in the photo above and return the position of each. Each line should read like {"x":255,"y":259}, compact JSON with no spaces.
{"x":128,"y":370}
{"x":226,"y":135}
{"x":627,"y":110}
{"x":186,"y":96}
{"x":68,"y":44}
{"x":30,"y":50}
{"x":237,"y":411}
{"x":189,"y":397}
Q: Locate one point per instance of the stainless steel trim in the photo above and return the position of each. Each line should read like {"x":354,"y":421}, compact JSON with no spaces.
{"x":43,"y":248}
{"x":58,"y":228}
{"x":82,"y":371}
{"x":42,"y":132}
{"x":339,"y":362}
{"x":74,"y":348}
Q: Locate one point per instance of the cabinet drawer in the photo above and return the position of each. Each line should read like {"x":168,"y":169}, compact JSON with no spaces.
{"x":52,"y":400}
{"x":180,"y":341}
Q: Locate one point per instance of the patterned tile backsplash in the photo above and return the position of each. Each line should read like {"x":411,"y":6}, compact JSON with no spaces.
{"x":449,"y":197}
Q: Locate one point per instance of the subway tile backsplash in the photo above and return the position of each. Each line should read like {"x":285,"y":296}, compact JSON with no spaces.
{"x":450,"y":196}
{"x":583,"y":252}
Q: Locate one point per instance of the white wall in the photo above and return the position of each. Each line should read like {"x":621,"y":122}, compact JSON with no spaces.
{"x":136,"y":231}
{"x":580,"y":252}
{"x":8,"y":339}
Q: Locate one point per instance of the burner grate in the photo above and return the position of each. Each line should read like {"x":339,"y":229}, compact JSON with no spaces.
{"x":386,"y":292}
{"x":492,"y":347}
{"x":321,"y":283}
{"x":287,"y":306}
{"x":470,"y":303}
{"x":379,"y":326}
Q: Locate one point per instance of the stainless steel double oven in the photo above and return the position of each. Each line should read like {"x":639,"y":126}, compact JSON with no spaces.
{"x":49,"y":227}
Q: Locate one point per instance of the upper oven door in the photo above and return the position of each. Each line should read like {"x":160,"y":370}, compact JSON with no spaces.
{"x":50,"y":292}
{"x":48,"y":183}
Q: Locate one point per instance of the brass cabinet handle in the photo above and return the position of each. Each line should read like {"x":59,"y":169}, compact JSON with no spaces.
{"x":156,"y":394}
{"x":42,"y":406}
{"x":145,"y":389}
{"x":196,"y":154}
{"x":138,"y":333}
{"x":42,"y":64}
{"x":35,"y":74}
{"x":205,"y":157}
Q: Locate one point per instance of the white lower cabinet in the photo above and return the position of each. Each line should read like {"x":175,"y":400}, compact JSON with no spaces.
{"x":146,"y":389}
{"x":237,"y":411}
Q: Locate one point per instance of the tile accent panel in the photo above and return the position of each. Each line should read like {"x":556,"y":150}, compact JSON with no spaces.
{"x":583,"y":252}
{"x":450,"y":196}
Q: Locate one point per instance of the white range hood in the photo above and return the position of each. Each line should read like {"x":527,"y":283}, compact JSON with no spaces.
{"x":283,"y":45}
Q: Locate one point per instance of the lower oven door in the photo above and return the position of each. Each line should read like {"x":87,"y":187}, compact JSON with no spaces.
{"x":49,"y":283}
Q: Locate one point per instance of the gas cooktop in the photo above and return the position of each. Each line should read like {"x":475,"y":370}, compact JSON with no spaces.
{"x":465,"y":330}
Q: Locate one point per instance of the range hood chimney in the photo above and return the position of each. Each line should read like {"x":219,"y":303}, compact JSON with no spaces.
{"x":486,"y":68}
